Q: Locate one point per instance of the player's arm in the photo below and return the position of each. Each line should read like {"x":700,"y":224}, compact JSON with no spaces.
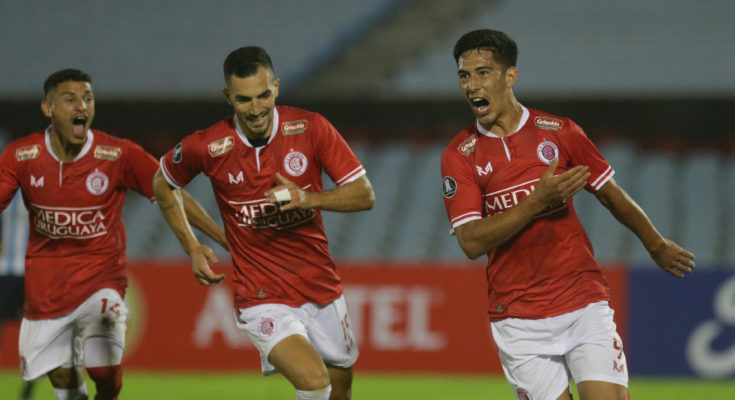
{"x":479,"y":236}
{"x":200,"y":219}
{"x":667,"y":254}
{"x":172,"y":206}
{"x":357,"y":195}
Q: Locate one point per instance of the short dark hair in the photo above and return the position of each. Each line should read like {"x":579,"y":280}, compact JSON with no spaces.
{"x":69,"y":74}
{"x":245,"y":61}
{"x":505,"y":50}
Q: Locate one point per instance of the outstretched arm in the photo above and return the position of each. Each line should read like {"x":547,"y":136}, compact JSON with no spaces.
{"x":172,"y":206}
{"x":667,"y":254}
{"x":357,"y":195}
{"x":482,"y":235}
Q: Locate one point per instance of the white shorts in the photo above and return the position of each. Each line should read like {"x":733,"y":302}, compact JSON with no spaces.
{"x":47,"y":344}
{"x":326,"y":327}
{"x":541,"y":356}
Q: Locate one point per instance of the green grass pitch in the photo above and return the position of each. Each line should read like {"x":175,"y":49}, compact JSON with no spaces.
{"x":143,"y":385}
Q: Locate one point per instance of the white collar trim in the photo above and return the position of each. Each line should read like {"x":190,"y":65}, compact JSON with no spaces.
{"x":524,"y":119}
{"x":241,"y":133}
{"x":85,"y":148}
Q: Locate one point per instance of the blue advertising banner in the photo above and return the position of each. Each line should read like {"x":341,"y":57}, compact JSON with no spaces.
{"x":682,"y":326}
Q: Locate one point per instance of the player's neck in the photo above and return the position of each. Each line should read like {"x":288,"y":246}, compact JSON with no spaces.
{"x":64,"y":150}
{"x":507,"y":121}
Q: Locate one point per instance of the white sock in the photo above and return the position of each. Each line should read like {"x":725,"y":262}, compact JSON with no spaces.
{"x":321,"y":394}
{"x":79,"y":393}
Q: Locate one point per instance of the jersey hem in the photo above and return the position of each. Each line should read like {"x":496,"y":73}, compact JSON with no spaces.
{"x":495,"y":317}
{"x":290,"y":303}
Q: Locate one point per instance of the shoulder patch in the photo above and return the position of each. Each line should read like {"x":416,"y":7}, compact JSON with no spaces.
{"x":107,"y":152}
{"x":449,"y":187}
{"x":548,"y":123}
{"x":293,"y":127}
{"x":221,"y":146}
{"x":28,"y":152}
{"x":468,"y":146}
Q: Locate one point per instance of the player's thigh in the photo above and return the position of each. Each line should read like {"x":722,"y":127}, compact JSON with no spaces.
{"x":538,"y":378}
{"x":45,"y":344}
{"x":330,"y":333}
{"x":103,"y":315}
{"x":297,"y":360}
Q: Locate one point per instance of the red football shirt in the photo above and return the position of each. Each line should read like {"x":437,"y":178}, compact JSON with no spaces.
{"x":548,"y":268}
{"x":279,"y":257}
{"x":76,"y":244}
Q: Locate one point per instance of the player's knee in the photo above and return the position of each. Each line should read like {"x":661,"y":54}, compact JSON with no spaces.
{"x":107,"y":380}
{"x":65,"y":378}
{"x":312,"y":380}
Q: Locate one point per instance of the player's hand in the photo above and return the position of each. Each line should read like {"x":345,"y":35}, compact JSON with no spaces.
{"x":296,"y":197}
{"x":200,"y":257}
{"x":554,"y":189}
{"x":673,"y":259}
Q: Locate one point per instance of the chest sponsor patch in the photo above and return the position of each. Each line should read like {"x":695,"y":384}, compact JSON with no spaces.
{"x":468,"y":146}
{"x":68,"y":222}
{"x":449,"y":187}
{"x":97,"y":182}
{"x":547,"y":151}
{"x":262,"y":214}
{"x":548,"y":123}
{"x":293,"y":127}
{"x":295,"y":163}
{"x":107,"y":152}
{"x":27,"y":152}
{"x":221,"y":146}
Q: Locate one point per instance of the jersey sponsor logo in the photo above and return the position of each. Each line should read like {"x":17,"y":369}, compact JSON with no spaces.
{"x":504,"y":199}
{"x":107,"y":152}
{"x":68,"y":223}
{"x":236,"y":179}
{"x":468,"y":146}
{"x":449,"y":187}
{"x":36,"y":182}
{"x":484,"y":171}
{"x":221,"y":146}
{"x":97,"y":183}
{"x":28,"y":152}
{"x":295,"y":163}
{"x":293,"y":127}
{"x":547,"y":151}
{"x":548,"y":123}
{"x":177,"y":156}
{"x":262,"y":214}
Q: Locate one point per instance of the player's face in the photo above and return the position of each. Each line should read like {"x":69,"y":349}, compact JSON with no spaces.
{"x":253,"y":98}
{"x":485,"y":85}
{"x":71,"y":109}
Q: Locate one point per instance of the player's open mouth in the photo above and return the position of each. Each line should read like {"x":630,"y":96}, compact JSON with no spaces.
{"x":80,"y":126}
{"x":258,"y":121}
{"x":481,"y":106}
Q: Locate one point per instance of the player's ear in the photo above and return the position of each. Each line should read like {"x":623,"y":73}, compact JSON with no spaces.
{"x":226,"y":92}
{"x":511,"y":75}
{"x":47,"y":108}
{"x":276,"y":83}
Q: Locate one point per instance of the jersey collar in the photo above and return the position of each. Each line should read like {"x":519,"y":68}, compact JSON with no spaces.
{"x":85,"y":148}
{"x":274,"y":129}
{"x":524,"y":119}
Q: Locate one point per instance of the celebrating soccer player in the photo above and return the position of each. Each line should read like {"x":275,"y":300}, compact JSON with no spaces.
{"x":265,"y":164}
{"x":508,"y":182}
{"x":74,"y":180}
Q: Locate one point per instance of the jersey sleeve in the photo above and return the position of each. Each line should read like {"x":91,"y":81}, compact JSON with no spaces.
{"x":182,"y":163}
{"x":462,"y":196}
{"x":335,"y":155}
{"x":8,"y":178}
{"x":140,"y":167}
{"x":583,"y":152}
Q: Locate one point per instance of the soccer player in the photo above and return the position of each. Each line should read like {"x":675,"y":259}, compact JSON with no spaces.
{"x":74,"y":180}
{"x":265,"y":164}
{"x":508,"y":182}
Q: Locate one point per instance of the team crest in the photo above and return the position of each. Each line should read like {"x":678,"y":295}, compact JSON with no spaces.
{"x":449,"y":187}
{"x":293,"y":127}
{"x":468,"y":146}
{"x":221,"y":146}
{"x":295,"y":163}
{"x":267,"y":326}
{"x":27,"y":152}
{"x":547,"y":151}
{"x":97,"y":183}
{"x":107,"y":152}
{"x":552,"y":124}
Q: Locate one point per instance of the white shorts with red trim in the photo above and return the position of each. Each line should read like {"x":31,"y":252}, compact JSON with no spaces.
{"x":326,"y":327}
{"x":541,"y":356}
{"x":46,"y":344}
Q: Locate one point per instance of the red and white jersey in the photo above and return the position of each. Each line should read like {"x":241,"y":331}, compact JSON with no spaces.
{"x":76,"y":244}
{"x":548,"y":268}
{"x":279,"y":257}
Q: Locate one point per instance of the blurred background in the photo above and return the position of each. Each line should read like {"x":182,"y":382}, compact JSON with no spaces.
{"x":650,"y":82}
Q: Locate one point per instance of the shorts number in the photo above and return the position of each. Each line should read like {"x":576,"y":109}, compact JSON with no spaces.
{"x":115,"y":307}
